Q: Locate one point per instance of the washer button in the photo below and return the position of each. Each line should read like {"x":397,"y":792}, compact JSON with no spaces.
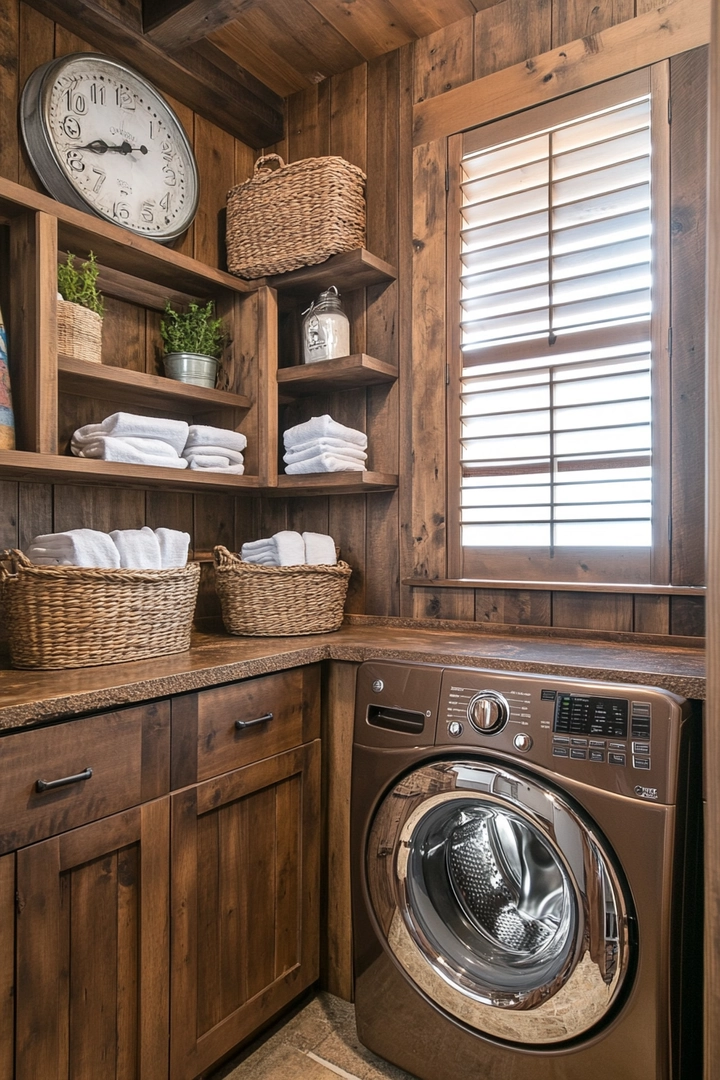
{"x":597,"y":755}
{"x":616,"y":759}
{"x":561,"y":751}
{"x":578,"y":753}
{"x":523,"y":742}
{"x":641,"y":748}
{"x":378,"y":686}
{"x":455,"y":729}
{"x":641,"y":762}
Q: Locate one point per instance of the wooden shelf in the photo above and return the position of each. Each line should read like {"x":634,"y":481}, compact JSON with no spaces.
{"x":106,"y":383}
{"x":50,"y":468}
{"x":342,"y":373}
{"x":346,"y":483}
{"x":352,"y":270}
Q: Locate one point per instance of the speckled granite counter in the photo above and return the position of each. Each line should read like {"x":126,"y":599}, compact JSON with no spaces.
{"x":31,"y":697}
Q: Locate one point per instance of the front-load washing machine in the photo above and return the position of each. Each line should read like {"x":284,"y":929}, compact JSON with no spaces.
{"x":521,"y":893}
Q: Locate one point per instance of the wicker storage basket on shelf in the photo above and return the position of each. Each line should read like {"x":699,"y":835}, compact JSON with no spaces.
{"x":298,"y":215}
{"x":279,"y":601}
{"x":79,"y":332}
{"x":74,"y":616}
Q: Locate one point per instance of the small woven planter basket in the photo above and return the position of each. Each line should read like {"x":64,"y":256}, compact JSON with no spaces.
{"x":298,"y":215}
{"x":279,"y":601}
{"x":75,"y":616}
{"x":79,"y":332}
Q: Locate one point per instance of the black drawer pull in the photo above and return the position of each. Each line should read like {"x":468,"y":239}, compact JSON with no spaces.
{"x":48,"y":785}
{"x":242,"y":724}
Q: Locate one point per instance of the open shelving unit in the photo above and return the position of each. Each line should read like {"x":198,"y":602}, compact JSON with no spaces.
{"x":53,"y":394}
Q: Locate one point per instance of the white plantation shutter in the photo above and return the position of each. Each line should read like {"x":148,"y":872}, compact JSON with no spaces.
{"x":555,"y":330}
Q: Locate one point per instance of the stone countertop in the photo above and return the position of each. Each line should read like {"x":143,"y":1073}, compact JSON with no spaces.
{"x":32,"y":697}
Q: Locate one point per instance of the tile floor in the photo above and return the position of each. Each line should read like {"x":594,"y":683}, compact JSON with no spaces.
{"x":318,"y":1043}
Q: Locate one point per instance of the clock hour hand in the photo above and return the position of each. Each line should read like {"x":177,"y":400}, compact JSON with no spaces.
{"x":99,"y":146}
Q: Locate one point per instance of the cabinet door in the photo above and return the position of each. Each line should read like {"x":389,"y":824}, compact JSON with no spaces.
{"x":7,"y":964}
{"x":244,"y":896}
{"x":92,"y":951}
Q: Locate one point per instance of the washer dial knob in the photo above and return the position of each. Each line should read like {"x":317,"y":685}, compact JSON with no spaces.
{"x":488,"y":712}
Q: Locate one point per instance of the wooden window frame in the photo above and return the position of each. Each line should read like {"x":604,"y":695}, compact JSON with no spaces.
{"x":602,"y":564}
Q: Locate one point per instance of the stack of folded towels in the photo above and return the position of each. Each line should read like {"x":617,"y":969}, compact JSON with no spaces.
{"x":323,"y":445}
{"x":291,"y":549}
{"x":139,"y":440}
{"x":150,"y":440}
{"x":215,"y":449}
{"x":130,"y":549}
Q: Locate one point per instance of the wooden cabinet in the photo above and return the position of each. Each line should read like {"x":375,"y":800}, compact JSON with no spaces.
{"x":245,"y":903}
{"x":149,"y":923}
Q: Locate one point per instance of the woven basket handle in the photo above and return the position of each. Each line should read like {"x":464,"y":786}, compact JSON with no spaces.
{"x":10,"y":560}
{"x":268,"y":157}
{"x":223,"y":557}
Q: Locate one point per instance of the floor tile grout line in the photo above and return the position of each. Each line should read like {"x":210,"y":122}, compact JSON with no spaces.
{"x":329,"y":1065}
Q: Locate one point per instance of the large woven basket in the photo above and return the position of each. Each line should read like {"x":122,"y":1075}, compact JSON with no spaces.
{"x":279,"y":601}
{"x":297,"y":215}
{"x":79,"y":332}
{"x":74,"y":616}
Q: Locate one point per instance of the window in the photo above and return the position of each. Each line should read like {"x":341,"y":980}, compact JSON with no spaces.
{"x":558,"y":420}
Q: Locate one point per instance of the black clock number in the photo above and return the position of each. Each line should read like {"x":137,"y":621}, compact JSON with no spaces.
{"x":124,"y":98}
{"x":71,"y":127}
{"x":97,"y":94}
{"x":75,"y":102}
{"x":146,"y":213}
{"x":100,"y":178}
{"x":75,"y":161}
{"x":121,"y":211}
{"x":169,"y":176}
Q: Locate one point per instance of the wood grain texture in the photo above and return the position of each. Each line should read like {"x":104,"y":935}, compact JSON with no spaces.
{"x":606,"y":612}
{"x":443,"y":603}
{"x":510,"y":32}
{"x":581,"y":18}
{"x":676,"y":27}
{"x":711,"y":725}
{"x":444,"y":60}
{"x":688,"y":135}
{"x":7,"y":966}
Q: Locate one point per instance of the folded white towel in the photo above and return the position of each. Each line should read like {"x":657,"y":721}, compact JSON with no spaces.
{"x":354,"y":453}
{"x":76,"y":547}
{"x":121,"y":425}
{"x":139,"y":548}
{"x":173,"y":548}
{"x":232,"y":457}
{"x":319,"y":549}
{"x":206,"y":466}
{"x":284,"y":548}
{"x":321,"y":427}
{"x":326,"y":463}
{"x":133,"y":451}
{"x":203,"y":435}
{"x":330,"y":444}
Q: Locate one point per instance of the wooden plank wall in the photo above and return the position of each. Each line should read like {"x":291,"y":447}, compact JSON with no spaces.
{"x":365,"y":115}
{"x":28,"y":39}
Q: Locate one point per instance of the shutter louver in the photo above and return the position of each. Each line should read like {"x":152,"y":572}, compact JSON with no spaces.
{"x":555,"y":321}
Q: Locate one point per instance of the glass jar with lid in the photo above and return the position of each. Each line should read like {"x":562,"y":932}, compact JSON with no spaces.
{"x":325,"y":328}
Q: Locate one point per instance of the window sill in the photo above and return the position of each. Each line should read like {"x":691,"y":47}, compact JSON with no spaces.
{"x":556,"y":586}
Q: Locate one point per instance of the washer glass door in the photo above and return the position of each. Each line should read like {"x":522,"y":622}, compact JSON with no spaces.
{"x":499,"y":901}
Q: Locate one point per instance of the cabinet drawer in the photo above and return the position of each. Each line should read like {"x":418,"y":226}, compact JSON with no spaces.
{"x":126,"y":750}
{"x":209,"y":732}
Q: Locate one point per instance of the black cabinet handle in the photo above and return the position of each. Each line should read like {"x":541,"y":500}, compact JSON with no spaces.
{"x":242,"y":724}
{"x":48,"y":785}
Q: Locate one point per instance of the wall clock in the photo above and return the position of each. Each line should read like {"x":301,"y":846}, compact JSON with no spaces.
{"x":102,"y":139}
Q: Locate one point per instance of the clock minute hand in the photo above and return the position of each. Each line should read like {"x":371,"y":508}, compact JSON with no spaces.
{"x":99,"y":146}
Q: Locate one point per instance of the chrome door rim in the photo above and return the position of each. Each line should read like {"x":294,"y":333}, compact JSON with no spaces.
{"x":517,"y":996}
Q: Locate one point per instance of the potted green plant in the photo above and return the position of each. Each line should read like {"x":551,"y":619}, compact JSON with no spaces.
{"x":80,"y":309}
{"x":194,"y":340}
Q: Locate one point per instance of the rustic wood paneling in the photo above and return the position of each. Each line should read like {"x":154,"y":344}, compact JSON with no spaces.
{"x":513,"y":607}
{"x":586,"y":611}
{"x":509,"y":32}
{"x":444,"y":60}
{"x":579,"y":18}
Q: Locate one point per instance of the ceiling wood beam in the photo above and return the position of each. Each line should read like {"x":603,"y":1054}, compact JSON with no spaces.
{"x":238,"y":103}
{"x":190,"y":21}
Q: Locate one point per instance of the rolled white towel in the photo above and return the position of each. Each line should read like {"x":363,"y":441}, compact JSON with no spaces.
{"x":203,"y":435}
{"x":321,"y":427}
{"x":266,"y":543}
{"x":76,"y":547}
{"x":173,"y":546}
{"x":205,"y":463}
{"x":109,"y":448}
{"x":232,"y":457}
{"x":330,"y":444}
{"x":354,"y":453}
{"x":123,"y":425}
{"x":139,"y":549}
{"x":262,"y":560}
{"x":325,"y":463}
{"x":319,"y":549}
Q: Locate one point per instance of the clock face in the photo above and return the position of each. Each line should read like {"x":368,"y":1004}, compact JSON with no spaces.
{"x":103,"y":139}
